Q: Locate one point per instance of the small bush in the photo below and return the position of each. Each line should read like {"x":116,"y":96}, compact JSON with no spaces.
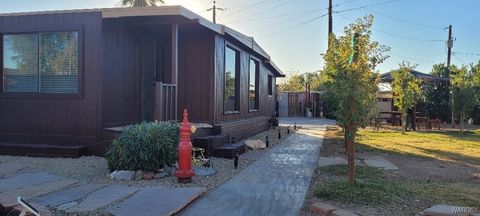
{"x":147,"y":146}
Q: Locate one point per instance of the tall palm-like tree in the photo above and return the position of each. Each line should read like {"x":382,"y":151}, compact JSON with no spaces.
{"x":141,"y":3}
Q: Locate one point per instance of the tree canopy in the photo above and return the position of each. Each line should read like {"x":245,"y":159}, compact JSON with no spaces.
{"x":352,"y":81}
{"x":406,"y":89}
{"x":141,"y":3}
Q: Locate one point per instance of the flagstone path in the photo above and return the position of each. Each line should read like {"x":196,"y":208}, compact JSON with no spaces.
{"x":277,"y":183}
{"x":44,"y":189}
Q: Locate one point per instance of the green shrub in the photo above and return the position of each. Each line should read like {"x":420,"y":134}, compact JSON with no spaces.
{"x":147,"y":146}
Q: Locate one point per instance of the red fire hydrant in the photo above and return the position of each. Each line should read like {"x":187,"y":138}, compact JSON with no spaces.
{"x":185,"y":172}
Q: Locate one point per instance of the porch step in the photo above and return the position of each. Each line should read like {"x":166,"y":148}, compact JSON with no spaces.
{"x":209,"y":143}
{"x":42,"y":150}
{"x":229,"y":150}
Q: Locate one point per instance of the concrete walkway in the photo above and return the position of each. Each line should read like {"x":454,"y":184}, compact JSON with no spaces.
{"x":277,"y":183}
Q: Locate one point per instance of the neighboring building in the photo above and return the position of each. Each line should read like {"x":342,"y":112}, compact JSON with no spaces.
{"x":296,"y":104}
{"x":70,"y":76}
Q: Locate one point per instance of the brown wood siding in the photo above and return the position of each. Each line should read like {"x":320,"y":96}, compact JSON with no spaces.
{"x":57,"y":120}
{"x":266,"y":102}
{"x":120,"y":81}
{"x":195,"y":73}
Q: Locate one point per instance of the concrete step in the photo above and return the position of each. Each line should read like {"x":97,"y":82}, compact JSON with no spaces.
{"x":229,"y":150}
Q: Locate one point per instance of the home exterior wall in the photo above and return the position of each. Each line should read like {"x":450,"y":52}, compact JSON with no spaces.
{"x":56,"y":118}
{"x":244,"y":123}
{"x":196,"y":73}
{"x":266,"y":102}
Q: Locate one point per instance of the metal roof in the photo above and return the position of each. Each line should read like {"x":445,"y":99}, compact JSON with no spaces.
{"x":387,"y":77}
{"x":171,"y":10}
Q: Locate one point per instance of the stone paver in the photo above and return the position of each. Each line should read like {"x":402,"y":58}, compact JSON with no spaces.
{"x":328,"y":161}
{"x":9,"y":198}
{"x":156,"y":201}
{"x":447,"y":210}
{"x":380,"y":162}
{"x":66,"y":196}
{"x":26,"y":179}
{"x":320,"y":208}
{"x":342,"y":212}
{"x":276,"y":184}
{"x":9,"y":168}
{"x":103,"y":197}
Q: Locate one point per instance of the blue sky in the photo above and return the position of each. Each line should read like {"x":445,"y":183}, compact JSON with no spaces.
{"x":294,"y":35}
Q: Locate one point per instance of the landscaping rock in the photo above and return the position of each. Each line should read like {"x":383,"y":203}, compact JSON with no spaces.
{"x":380,"y":162}
{"x":138,"y":175}
{"x":122,"y":175}
{"x":168,"y":170}
{"x":447,"y":210}
{"x":160,"y":175}
{"x":203,"y":171}
{"x":322,"y":209}
{"x":328,"y":161}
{"x":342,"y":212}
{"x":148,"y":175}
{"x":255,"y":144}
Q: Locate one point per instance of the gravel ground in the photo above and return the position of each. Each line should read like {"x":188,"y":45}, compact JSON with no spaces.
{"x":93,"y":169}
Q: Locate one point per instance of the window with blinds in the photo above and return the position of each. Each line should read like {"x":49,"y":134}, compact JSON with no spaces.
{"x":41,"y":62}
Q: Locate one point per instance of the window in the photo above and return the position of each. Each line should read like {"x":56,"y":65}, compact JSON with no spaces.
{"x":41,"y":62}
{"x":231,"y":80}
{"x":270,"y":85}
{"x":253,"y":85}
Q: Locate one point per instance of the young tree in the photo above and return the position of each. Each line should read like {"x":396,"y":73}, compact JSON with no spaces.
{"x":348,"y":63}
{"x":463,"y":92}
{"x":406,"y":89}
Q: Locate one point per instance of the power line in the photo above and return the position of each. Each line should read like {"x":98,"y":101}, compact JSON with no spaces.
{"x":295,"y":26}
{"x":306,"y":12}
{"x":459,"y":59}
{"x":250,"y":6}
{"x":261,"y":29}
{"x":465,"y":53}
{"x":412,"y":58}
{"x":365,"y":6}
{"x":399,"y":19}
{"x":396,"y":35}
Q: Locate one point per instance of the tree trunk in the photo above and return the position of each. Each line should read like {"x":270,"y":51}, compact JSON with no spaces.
{"x":462,"y":121}
{"x":349,"y":138}
{"x":404,"y":121}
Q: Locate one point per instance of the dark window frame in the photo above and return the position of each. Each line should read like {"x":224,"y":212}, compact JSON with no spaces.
{"x":257,"y":84}
{"x":270,"y":85}
{"x":43,"y":95}
{"x":237,"y":78}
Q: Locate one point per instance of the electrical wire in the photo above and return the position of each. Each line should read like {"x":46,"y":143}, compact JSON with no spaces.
{"x":294,"y":26}
{"x":412,"y":58}
{"x":396,"y":35}
{"x":469,"y":54}
{"x":365,"y":6}
{"x":459,"y":59}
{"x":398,"y":19}
{"x":306,"y":12}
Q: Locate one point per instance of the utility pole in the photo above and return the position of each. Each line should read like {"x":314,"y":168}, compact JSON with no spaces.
{"x":330,"y":21}
{"x":214,"y":10}
{"x":449,"y":55}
